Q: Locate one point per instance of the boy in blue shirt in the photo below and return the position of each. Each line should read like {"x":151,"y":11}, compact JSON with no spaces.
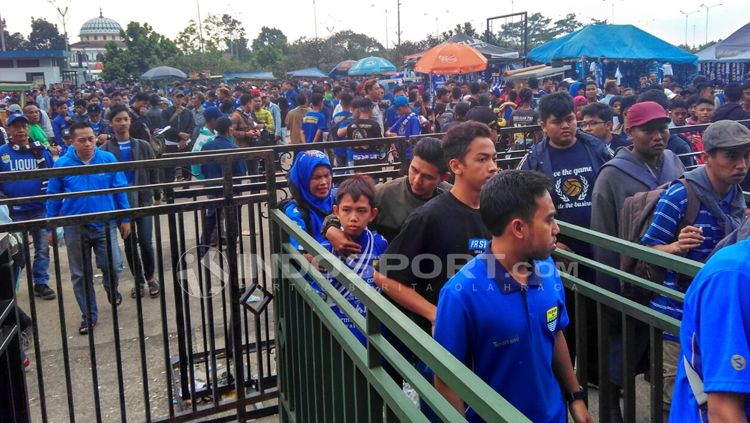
{"x":407,"y":124}
{"x":503,"y":314}
{"x":314,"y":122}
{"x":60,"y":124}
{"x":354,"y":209}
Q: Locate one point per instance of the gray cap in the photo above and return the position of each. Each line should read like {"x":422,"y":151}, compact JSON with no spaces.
{"x":13,"y":108}
{"x":725,"y":134}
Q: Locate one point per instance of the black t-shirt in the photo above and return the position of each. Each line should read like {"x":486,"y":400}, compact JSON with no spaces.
{"x":361,"y":129}
{"x":445,"y":233}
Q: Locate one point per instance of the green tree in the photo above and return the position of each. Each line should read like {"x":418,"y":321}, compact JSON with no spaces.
{"x":44,"y":36}
{"x":189,"y":40}
{"x":540,"y":30}
{"x":227,"y":34}
{"x":14,"y":41}
{"x":467,"y":28}
{"x":269,"y":49}
{"x":144,"y":49}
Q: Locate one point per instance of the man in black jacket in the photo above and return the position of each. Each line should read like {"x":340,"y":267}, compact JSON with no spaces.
{"x":176,"y":139}
{"x":731,"y":110}
{"x":139,"y":251}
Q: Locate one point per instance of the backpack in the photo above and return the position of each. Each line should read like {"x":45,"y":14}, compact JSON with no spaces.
{"x":445,"y":117}
{"x":635,"y":218}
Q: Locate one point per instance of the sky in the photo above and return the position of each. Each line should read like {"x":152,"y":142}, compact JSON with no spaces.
{"x":298,"y":18}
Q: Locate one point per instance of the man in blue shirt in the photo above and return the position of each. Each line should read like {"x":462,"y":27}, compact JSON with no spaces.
{"x":407,"y":124}
{"x":101,"y":127}
{"x":93,"y":235}
{"x":20,"y":154}
{"x":213,"y":170}
{"x":314,"y":123}
{"x":503,"y":313}
{"x":391,"y":113}
{"x":60,"y":123}
{"x":712,"y":378}
{"x":722,"y":207}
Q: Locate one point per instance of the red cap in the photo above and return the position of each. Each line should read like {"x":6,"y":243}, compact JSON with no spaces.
{"x":645,"y":112}
{"x":255,"y":92}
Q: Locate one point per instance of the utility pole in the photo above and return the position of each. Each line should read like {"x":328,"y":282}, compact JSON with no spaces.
{"x":315,"y":20}
{"x":2,"y":34}
{"x":687,"y":15}
{"x":200,"y":24}
{"x":707,"y":9}
{"x":386,"y":28}
{"x":398,"y":21}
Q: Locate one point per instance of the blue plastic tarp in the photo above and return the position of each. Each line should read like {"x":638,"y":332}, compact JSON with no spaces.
{"x":307,"y":73}
{"x":260,"y":76}
{"x":737,"y":44}
{"x":624,"y":42}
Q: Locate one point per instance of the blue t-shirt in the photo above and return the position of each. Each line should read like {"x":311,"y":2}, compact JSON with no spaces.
{"x":668,"y":213}
{"x":311,"y":122}
{"x":506,"y":333}
{"x":126,"y":155}
{"x":364,"y":264}
{"x":391,"y":116}
{"x":715,"y":333}
{"x":342,"y":120}
{"x":14,"y":161}
{"x":572,"y":183}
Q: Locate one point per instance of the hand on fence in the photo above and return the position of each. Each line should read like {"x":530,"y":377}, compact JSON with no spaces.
{"x":125,"y":230}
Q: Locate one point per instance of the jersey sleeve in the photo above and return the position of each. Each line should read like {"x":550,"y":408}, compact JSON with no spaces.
{"x":667,"y":215}
{"x":414,"y":127}
{"x":453,"y":324}
{"x":293,"y":213}
{"x":723,"y":332}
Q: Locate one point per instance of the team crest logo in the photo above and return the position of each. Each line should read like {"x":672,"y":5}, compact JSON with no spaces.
{"x":739,"y":363}
{"x":6,"y":158}
{"x":552,"y":318}
{"x":572,"y":188}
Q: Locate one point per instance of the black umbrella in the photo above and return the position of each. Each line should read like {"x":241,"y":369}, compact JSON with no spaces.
{"x":163,"y":72}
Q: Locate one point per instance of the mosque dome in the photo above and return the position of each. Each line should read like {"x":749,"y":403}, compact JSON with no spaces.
{"x":101,"y":26}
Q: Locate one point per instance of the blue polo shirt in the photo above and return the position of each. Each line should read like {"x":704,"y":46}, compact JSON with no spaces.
{"x":668,"y":213}
{"x":311,"y":123}
{"x":506,"y":333}
{"x":715,"y":333}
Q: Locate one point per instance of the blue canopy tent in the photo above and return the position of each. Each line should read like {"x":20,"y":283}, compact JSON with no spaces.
{"x":728,"y":60}
{"x":307,"y":73}
{"x":616,"y":43}
{"x":255,"y":76}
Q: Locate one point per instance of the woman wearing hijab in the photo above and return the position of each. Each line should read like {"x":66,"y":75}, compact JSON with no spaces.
{"x":579,"y":102}
{"x":310,"y":184}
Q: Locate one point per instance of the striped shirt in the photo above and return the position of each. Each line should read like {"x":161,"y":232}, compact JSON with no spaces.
{"x":669,"y":211}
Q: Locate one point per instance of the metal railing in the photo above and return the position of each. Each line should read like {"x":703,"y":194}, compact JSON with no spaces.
{"x":327,"y":375}
{"x":202,"y":349}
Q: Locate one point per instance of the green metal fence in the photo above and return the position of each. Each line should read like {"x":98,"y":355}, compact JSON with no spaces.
{"x":327,"y":375}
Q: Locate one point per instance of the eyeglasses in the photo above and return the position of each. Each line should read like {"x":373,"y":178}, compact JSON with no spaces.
{"x":591,"y":123}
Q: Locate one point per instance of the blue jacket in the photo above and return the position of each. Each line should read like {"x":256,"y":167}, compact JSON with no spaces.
{"x":211,"y":170}
{"x":59,"y":124}
{"x":11,"y":161}
{"x":89,"y":182}
{"x":538,"y":158}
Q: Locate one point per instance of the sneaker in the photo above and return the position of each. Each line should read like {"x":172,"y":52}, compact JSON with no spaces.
{"x":44,"y":292}
{"x":85,"y":327}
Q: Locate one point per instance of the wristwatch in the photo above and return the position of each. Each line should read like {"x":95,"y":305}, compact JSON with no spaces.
{"x":580,"y":394}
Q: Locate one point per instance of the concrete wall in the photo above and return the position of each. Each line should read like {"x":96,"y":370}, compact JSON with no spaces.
{"x":47,"y":66}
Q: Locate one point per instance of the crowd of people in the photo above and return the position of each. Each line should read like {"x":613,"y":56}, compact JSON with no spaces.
{"x":485,"y":285}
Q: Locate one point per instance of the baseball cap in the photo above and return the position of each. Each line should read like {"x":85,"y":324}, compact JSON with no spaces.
{"x":645,"y":112}
{"x":14,"y":108}
{"x":15,"y":117}
{"x":400,"y":101}
{"x":482,"y":114}
{"x":93,"y":109}
{"x":725,"y":134}
{"x":212,"y":113}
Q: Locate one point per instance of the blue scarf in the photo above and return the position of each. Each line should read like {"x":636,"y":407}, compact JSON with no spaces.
{"x":300,"y":175}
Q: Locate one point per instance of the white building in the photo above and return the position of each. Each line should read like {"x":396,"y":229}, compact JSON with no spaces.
{"x":95,"y":34}
{"x":39,"y":66}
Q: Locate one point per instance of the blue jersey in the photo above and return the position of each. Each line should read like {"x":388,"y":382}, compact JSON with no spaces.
{"x":506,"y":332}
{"x":715,"y":333}
{"x":406,"y":126}
{"x":311,"y":123}
{"x":668,"y":213}
{"x":14,"y":161}
{"x":364,"y":264}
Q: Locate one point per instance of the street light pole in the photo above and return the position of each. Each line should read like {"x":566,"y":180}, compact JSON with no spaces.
{"x":2,"y":34}
{"x":200,"y":24}
{"x":398,"y":21}
{"x":386,"y":28}
{"x":687,"y":15}
{"x":315,"y":19}
{"x":707,"y":9}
